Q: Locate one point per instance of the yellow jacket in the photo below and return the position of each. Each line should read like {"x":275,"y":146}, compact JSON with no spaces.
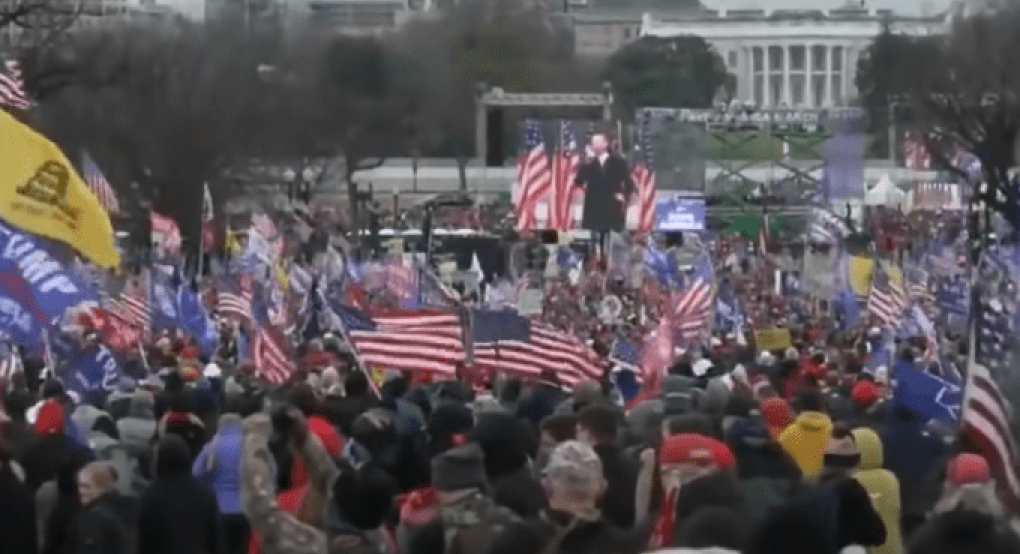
{"x":806,"y":439}
{"x":883,"y":487}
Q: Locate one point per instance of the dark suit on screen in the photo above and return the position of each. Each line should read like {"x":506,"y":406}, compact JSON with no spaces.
{"x":603,"y":181}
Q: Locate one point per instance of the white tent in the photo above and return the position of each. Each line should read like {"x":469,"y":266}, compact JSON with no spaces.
{"x":885,"y":193}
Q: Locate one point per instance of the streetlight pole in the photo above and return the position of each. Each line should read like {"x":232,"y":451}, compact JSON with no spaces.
{"x":893,"y":104}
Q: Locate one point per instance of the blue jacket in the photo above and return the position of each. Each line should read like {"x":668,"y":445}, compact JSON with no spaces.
{"x":218,"y":465}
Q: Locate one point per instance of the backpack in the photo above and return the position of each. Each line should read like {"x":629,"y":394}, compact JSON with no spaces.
{"x":471,"y":526}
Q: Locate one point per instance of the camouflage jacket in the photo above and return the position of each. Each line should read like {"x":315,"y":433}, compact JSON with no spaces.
{"x":281,"y":532}
{"x":471,"y":524}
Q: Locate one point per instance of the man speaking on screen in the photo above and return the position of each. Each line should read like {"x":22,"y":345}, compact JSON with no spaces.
{"x":608,"y":188}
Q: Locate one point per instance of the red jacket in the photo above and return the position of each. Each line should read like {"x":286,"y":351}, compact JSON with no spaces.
{"x":331,"y":441}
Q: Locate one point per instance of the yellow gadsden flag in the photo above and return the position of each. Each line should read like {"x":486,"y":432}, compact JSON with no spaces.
{"x":41,"y":193}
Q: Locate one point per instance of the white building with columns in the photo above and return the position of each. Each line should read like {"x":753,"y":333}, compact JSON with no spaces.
{"x":792,"y":58}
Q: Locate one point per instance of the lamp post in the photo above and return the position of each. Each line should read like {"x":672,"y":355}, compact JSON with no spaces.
{"x":299,"y":184}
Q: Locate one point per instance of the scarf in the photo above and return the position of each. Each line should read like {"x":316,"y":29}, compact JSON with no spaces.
{"x":662,"y":535}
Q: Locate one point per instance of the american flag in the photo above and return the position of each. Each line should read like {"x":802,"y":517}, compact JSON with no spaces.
{"x":826,"y":227}
{"x":426,"y":341}
{"x":401,"y":280}
{"x":269,"y":354}
{"x":644,"y":181}
{"x":915,"y":152}
{"x":986,"y":412}
{"x":932,"y":197}
{"x":263,"y":225}
{"x":692,"y":309}
{"x":12,"y":87}
{"x":532,"y":350}
{"x":133,"y":305}
{"x":886,"y":299}
{"x":97,"y":182}
{"x":534,"y":176}
{"x":235,"y":303}
{"x":657,"y":354}
{"x":917,"y":286}
{"x":565,"y":165}
{"x":166,"y":235}
{"x":208,"y":220}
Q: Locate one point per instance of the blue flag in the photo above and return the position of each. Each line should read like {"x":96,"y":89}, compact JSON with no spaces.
{"x":195,"y":319}
{"x":18,"y":325}
{"x":926,"y":394}
{"x":164,"y":309}
{"x":92,"y":373}
{"x":41,"y":284}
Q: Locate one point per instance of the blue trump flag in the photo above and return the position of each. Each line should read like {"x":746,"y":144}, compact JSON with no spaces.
{"x":195,"y":319}
{"x":17,"y":324}
{"x":926,"y":394}
{"x":33,"y":277}
{"x":92,"y":373}
{"x":164,"y":309}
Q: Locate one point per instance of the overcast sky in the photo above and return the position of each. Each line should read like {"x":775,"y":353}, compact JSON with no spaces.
{"x":899,"y":6}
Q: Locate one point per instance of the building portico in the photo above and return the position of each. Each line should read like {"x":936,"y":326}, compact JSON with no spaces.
{"x":797,"y":59}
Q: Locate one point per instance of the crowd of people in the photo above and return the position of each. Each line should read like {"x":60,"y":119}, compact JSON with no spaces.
{"x":784,"y":452}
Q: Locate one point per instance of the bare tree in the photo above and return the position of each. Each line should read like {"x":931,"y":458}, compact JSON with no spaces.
{"x":971,"y":100}
{"x":169,"y":108}
{"x":511,"y":44}
{"x":362,"y":100}
{"x":33,"y":23}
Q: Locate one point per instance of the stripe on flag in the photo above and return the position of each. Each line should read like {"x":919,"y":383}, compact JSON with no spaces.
{"x":236,"y":305}
{"x":886,"y":299}
{"x":414,"y":340}
{"x":98,"y":184}
{"x":534,"y":176}
{"x":547,"y":350}
{"x":692,"y":309}
{"x":270,"y":357}
{"x":644,"y":181}
{"x":12,"y":87}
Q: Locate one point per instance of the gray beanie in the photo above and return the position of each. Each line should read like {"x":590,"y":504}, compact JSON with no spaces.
{"x":459,"y":468}
{"x":678,"y":394}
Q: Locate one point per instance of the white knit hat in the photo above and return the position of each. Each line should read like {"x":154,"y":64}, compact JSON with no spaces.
{"x":212,"y":371}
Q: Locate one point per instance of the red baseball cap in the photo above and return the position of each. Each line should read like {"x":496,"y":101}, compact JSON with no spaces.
{"x":967,"y":468}
{"x":692,"y":448}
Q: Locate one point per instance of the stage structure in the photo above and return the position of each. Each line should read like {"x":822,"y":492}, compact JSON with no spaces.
{"x":488,"y":100}
{"x":745,"y":161}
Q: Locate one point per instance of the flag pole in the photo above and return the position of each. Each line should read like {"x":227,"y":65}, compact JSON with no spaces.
{"x":49,"y":353}
{"x":201,"y":234}
{"x":357,"y":361}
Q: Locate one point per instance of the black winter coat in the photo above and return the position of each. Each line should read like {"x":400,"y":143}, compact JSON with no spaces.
{"x":961,"y":532}
{"x":602,"y":210}
{"x":18,"y":534}
{"x":178,"y":514}
{"x":98,"y":528}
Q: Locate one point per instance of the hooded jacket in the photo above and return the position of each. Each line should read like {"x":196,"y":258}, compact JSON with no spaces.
{"x":765,"y":472}
{"x":806,"y":439}
{"x":139,"y":427}
{"x":964,"y":532}
{"x":882,"y":486}
{"x":52,"y":451}
{"x":218,"y":465}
